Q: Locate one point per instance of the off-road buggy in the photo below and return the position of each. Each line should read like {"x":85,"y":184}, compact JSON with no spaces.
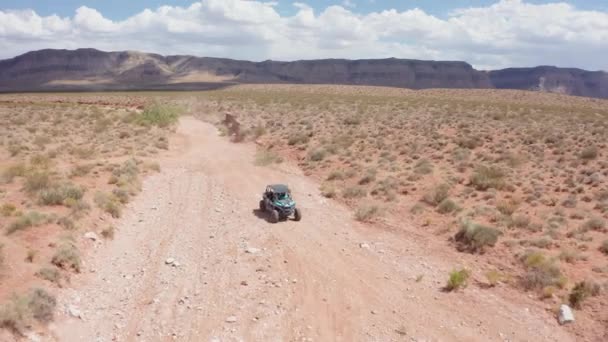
{"x":277,"y":201}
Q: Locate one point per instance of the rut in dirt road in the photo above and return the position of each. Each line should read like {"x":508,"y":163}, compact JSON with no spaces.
{"x":236,"y":277}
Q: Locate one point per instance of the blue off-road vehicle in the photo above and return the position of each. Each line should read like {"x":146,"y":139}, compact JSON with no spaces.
{"x":277,"y":201}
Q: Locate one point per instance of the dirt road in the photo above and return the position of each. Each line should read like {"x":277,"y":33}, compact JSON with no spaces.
{"x":239,"y":278}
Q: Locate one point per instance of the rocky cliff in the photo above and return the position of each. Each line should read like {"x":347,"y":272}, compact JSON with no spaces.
{"x":90,"y":69}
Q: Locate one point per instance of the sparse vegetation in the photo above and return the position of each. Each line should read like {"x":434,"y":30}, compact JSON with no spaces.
{"x":17,"y":314}
{"x":488,"y":177}
{"x":266,"y":157}
{"x":30,"y":219}
{"x":474,"y":237}
{"x":67,"y":257}
{"x":581,"y":291}
{"x":458,"y":280}
{"x":161,"y":115}
{"x":366,"y":212}
{"x":541,"y":272}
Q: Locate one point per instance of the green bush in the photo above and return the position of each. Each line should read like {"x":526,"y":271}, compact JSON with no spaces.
{"x":160,"y":115}
{"x":458,"y":280}
{"x":473,"y":237}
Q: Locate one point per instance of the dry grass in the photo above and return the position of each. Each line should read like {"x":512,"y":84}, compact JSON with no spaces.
{"x":54,"y":158}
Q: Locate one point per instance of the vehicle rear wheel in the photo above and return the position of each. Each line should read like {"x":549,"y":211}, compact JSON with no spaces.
{"x":274,"y":216}
{"x":262,"y":206}
{"x":297,"y":215}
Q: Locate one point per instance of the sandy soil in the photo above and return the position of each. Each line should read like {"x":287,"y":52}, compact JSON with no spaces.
{"x":326,"y":278}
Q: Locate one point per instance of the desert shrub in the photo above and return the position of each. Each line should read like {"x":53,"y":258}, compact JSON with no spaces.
{"x":108,"y":203}
{"x":81,"y":170}
{"x":447,"y":206}
{"x":354,"y":192}
{"x":335,"y":175}
{"x":352,"y":120}
{"x":67,"y":223}
{"x":590,"y":152}
{"x":51,"y":274}
{"x":40,"y":161}
{"x":317,"y":154}
{"x":469,"y":142}
{"x":108,"y":232}
{"x":494,"y":277}
{"x":595,"y":223}
{"x":15,"y":170}
{"x":541,"y":272}
{"x":31,"y":255}
{"x":42,"y":305}
{"x":17,"y":314}
{"x":457,"y":280}
{"x":67,"y":257}
{"x":437,"y":195}
{"x":58,"y":194}
{"x":369,"y":177}
{"x":507,"y":207}
{"x":160,"y":115}
{"x":423,"y":167}
{"x":266,"y":157}
{"x":474,"y":237}
{"x":30,"y":219}
{"x":8,"y":209}
{"x":366,"y":212}
{"x":258,"y":131}
{"x":121,"y":194}
{"x":37,"y":181}
{"x":604,"y":247}
{"x":569,"y":255}
{"x":328,"y":191}
{"x":83,"y":152}
{"x":487,"y":177}
{"x":519,"y":221}
{"x":581,"y":291}
{"x":298,"y":139}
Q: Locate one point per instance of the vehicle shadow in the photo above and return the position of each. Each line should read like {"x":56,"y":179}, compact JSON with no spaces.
{"x":260,"y":214}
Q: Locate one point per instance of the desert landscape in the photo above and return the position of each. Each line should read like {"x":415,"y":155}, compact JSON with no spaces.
{"x":438,"y":214}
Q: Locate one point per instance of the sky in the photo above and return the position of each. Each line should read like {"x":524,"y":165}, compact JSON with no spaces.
{"x":489,"y":34}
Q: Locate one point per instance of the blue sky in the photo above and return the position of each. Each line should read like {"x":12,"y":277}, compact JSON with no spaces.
{"x":121,"y":9}
{"x":488,"y":34}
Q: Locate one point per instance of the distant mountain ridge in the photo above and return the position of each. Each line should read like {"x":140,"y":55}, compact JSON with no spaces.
{"x":90,"y":69}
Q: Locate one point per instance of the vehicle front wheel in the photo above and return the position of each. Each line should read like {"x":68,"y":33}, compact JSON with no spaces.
{"x":297,"y":215}
{"x":262,"y":206}
{"x":274,"y":216}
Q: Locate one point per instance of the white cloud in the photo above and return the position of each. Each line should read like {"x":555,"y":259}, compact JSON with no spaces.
{"x":507,"y":33}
